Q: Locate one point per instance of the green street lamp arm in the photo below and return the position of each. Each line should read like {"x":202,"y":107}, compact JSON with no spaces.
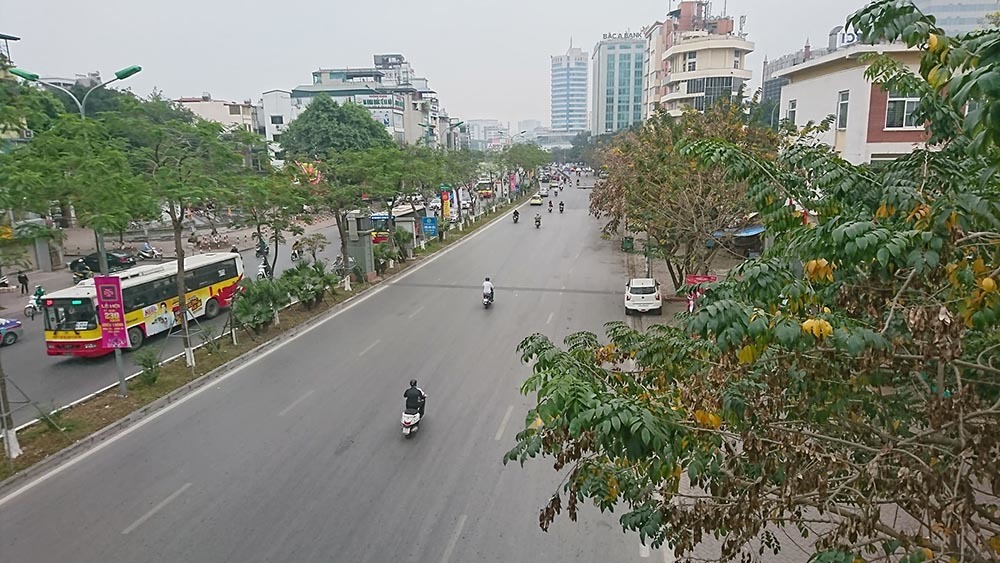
{"x":80,"y":104}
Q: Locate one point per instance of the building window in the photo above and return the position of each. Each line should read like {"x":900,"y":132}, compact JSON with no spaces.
{"x":790,"y":114}
{"x":691,"y":61}
{"x":234,"y":110}
{"x":900,"y":110}
{"x":736,"y":62}
{"x":843,"y":100}
{"x":276,"y":138}
{"x":277,"y":120}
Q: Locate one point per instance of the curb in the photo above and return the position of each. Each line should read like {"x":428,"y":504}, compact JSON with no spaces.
{"x":98,"y":436}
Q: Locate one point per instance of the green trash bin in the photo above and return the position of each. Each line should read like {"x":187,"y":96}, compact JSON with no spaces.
{"x":628,"y":244}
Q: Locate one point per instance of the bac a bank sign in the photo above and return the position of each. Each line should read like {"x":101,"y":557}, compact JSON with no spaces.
{"x":626,"y":35}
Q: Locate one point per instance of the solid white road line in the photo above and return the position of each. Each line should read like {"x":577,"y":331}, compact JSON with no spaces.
{"x":156,"y":509}
{"x":218,"y":381}
{"x":295,"y":403}
{"x":454,"y":539}
{"x":417,"y":312}
{"x":369,"y":348}
{"x":503,"y":423}
{"x":549,"y":320}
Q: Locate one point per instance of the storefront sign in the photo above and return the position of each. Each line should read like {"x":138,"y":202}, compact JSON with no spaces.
{"x":111,"y":312}
{"x":695,"y":280}
{"x":380,"y":101}
{"x":626,"y":35}
{"x":846,"y":38}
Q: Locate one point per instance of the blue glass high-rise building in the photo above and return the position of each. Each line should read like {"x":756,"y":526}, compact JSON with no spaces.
{"x":619,"y":66}
{"x":959,"y":16}
{"x":569,"y":91}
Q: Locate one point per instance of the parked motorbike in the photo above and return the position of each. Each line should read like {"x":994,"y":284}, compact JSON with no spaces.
{"x":152,"y":253}
{"x":81,"y":275}
{"x":410,"y":421}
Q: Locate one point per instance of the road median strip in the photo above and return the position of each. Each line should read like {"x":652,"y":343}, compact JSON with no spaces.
{"x":88,"y":422}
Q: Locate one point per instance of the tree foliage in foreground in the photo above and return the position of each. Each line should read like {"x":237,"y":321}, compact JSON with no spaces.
{"x":843,"y":389}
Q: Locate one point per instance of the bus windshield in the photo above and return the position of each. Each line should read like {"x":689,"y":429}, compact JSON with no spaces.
{"x":70,"y":314}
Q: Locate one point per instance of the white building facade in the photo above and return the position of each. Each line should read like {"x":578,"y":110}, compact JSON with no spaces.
{"x":619,"y":62}
{"x":229,"y":114}
{"x":652,"y":79}
{"x":869,"y":123}
{"x":569,"y":91}
{"x":703,"y":67}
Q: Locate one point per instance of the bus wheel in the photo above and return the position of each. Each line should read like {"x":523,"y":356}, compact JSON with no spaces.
{"x":212,"y":309}
{"x":135,"y":337}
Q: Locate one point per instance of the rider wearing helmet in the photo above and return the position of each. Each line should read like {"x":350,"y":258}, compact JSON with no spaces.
{"x":415,"y":398}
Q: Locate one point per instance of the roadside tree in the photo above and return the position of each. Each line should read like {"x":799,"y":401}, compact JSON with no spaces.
{"x":653,"y":188}
{"x":842,"y":388}
{"x":328,"y":137}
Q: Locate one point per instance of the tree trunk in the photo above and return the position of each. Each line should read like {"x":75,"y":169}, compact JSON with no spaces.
{"x":177,"y":221}
{"x":274,"y":261}
{"x":341,"y":230}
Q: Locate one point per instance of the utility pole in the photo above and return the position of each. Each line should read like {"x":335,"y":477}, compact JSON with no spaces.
{"x":11,"y":447}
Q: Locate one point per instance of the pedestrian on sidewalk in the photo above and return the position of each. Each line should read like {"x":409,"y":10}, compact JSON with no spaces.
{"x":22,"y":281}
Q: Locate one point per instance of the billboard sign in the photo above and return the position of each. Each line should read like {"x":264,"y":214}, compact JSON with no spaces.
{"x":111,"y":312}
{"x":429,"y":226}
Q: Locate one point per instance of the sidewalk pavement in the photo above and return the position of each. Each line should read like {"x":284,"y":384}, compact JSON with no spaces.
{"x":80,"y":242}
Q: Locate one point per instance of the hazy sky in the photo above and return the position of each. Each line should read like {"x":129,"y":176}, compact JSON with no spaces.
{"x":486,"y":59}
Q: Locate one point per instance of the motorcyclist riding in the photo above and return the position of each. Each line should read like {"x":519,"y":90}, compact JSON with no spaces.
{"x":415,"y":398}
{"x":538,"y":219}
{"x":517,"y":215}
{"x":146,"y":247}
{"x":488,"y":288}
{"x":550,"y":207}
{"x":560,"y":207}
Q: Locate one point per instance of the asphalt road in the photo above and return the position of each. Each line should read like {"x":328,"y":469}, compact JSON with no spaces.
{"x":298,"y":456}
{"x":55,"y":381}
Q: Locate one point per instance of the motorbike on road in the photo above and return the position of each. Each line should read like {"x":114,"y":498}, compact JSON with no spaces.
{"x":487,"y":300}
{"x":516,"y":217}
{"x":410,"y":421}
{"x":263,"y":251}
{"x":264,"y":270}
{"x":538,"y":222}
{"x":33,"y":307}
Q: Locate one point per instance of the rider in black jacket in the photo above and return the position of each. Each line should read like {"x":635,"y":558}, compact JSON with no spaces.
{"x":415,"y":398}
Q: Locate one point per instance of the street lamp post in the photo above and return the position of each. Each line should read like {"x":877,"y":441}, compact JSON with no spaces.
{"x":102,"y":256}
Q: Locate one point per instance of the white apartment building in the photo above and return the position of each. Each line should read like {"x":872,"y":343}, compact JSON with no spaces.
{"x":229,"y":114}
{"x":653,"y":73}
{"x":703,"y":67}
{"x":870,"y":124}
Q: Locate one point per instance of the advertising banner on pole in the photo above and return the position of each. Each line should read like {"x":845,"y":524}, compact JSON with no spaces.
{"x":445,"y":204}
{"x":111,"y":312}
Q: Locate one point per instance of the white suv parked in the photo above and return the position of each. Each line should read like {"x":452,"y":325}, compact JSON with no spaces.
{"x":643,"y":295}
